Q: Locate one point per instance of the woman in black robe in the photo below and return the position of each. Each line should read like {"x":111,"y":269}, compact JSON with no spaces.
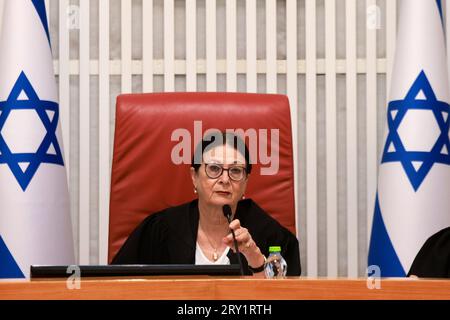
{"x":195,"y":232}
{"x":433,"y":259}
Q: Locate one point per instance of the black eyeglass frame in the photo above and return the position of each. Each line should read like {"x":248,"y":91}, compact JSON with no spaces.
{"x":222,"y":169}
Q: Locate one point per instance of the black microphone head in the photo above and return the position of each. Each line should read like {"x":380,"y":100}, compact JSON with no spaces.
{"x":227,"y":211}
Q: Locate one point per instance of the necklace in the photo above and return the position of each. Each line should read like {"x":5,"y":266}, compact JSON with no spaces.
{"x":215,"y":255}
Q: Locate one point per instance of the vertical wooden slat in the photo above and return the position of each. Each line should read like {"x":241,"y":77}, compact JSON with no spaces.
{"x":271,"y":46}
{"x":291,"y":79}
{"x":126,"y":45}
{"x":169,"y":46}
{"x":64,"y":103}
{"x":231,"y":45}
{"x":250,"y":12}
{"x":1,"y":13}
{"x":311,"y":139}
{"x":211,"y":51}
{"x":147,"y":45}
{"x":331,"y":140}
{"x":352,"y":146}
{"x":104,"y":131}
{"x":391,"y":35}
{"x":84,"y":195}
{"x":64,"y":95}
{"x":371,"y":116}
{"x":191,"y":45}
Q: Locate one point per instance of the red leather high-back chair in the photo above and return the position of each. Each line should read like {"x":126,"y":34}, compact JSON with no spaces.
{"x":146,"y":180}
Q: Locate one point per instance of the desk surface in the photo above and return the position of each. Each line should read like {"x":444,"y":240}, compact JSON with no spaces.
{"x":226,"y":288}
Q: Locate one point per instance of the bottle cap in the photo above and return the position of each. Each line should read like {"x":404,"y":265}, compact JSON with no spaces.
{"x":275,"y":249}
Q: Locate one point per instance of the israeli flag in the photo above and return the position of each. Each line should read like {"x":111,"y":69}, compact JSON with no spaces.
{"x":35,"y":225}
{"x":413,"y":200}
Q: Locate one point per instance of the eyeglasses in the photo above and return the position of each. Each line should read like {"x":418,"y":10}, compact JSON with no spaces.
{"x":235,"y":173}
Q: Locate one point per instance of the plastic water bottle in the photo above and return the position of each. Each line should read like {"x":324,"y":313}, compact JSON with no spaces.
{"x":275,"y":266}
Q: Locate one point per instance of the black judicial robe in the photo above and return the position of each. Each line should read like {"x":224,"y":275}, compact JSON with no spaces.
{"x":433,"y":259}
{"x":169,"y":237}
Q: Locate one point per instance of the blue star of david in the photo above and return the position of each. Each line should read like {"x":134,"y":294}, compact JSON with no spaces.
{"x":33,"y":160}
{"x":439,"y":152}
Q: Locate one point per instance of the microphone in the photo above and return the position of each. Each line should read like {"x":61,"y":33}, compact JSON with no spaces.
{"x":227,"y":213}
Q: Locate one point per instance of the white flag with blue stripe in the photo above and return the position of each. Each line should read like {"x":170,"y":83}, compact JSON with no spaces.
{"x":35,"y":226}
{"x":413,"y":200}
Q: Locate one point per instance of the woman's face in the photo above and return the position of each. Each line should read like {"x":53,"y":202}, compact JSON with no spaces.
{"x":221,"y":190}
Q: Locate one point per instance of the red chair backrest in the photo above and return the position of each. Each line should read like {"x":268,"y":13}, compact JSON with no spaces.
{"x":144,"y":178}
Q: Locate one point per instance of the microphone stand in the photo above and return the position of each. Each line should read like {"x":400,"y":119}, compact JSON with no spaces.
{"x":227,"y":213}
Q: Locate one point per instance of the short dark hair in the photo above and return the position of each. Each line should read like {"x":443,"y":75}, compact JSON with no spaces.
{"x":218,"y":138}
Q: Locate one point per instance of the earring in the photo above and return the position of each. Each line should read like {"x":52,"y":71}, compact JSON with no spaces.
{"x":195,"y":190}
{"x":243,"y":197}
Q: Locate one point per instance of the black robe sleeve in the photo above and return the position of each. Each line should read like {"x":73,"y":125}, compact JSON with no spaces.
{"x":433,"y":259}
{"x":146,"y":244}
{"x":267,"y":232}
{"x":289,"y":249}
{"x":291,"y":254}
